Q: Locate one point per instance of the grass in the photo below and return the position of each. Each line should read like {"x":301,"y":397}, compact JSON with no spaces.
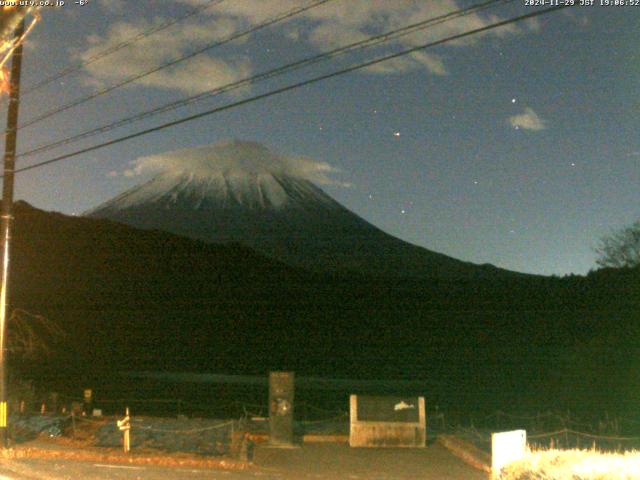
{"x":574,"y":465}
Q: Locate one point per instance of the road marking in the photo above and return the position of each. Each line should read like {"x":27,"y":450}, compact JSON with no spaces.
{"x":118,"y":466}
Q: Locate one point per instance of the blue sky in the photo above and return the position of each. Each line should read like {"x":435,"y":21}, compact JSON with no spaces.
{"x":518,"y":147}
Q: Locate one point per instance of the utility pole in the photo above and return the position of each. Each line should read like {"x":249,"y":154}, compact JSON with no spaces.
{"x":6,"y":220}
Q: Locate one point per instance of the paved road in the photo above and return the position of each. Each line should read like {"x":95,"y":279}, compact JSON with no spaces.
{"x":322,"y":461}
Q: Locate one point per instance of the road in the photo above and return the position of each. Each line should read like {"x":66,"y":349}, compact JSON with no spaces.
{"x":321,"y":461}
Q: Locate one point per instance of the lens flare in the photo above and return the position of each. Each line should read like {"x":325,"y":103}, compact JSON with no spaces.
{"x":5,"y":81}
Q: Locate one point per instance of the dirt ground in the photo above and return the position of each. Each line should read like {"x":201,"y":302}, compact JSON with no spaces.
{"x":339,"y":461}
{"x":311,"y":461}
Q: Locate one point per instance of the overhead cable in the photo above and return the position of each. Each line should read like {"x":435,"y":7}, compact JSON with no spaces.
{"x":119,"y":46}
{"x":350,"y":48}
{"x":291,"y":87}
{"x":79,"y":101}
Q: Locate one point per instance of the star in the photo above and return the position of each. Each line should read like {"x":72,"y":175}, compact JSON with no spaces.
{"x":396,"y":134}
{"x":573,"y":164}
{"x":513,"y":100}
{"x":403,"y":211}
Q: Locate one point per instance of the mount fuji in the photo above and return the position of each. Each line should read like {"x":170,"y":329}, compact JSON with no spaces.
{"x":237,"y":191}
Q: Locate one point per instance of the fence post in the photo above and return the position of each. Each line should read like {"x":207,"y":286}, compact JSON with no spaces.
{"x":87,"y":398}
{"x":127,"y":438}
{"x":125,"y":426}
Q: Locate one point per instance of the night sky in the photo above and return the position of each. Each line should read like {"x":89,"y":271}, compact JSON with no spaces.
{"x":518,"y":147}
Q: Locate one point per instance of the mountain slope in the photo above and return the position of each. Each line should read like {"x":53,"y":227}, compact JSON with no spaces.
{"x":133,"y":300}
{"x":256,"y":201}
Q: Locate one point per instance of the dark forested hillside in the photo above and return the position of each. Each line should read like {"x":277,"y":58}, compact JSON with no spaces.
{"x":131,"y":300}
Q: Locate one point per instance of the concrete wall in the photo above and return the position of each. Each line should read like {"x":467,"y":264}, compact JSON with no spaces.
{"x":372,"y":433}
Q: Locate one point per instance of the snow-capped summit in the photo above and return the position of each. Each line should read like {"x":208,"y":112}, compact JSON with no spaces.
{"x":230,"y":173}
{"x":264,"y":191}
{"x":243,"y":192}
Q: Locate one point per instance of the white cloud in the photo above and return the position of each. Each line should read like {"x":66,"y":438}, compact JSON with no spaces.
{"x":192,"y":76}
{"x":327,"y":37}
{"x":413,"y":61}
{"x":533,"y":24}
{"x":341,"y":22}
{"x":449,"y":28}
{"x":529,"y":120}
{"x":325,"y":27}
{"x":233,"y":157}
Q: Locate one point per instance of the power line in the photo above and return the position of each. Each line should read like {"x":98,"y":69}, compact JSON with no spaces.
{"x":292,"y":87}
{"x":217,"y":43}
{"x":120,"y":46}
{"x":366,"y":43}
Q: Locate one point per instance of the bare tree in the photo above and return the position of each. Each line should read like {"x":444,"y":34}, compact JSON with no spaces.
{"x":621,"y":248}
{"x":30,"y":335}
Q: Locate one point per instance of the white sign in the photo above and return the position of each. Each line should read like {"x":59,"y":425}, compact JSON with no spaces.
{"x":507,"y":447}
